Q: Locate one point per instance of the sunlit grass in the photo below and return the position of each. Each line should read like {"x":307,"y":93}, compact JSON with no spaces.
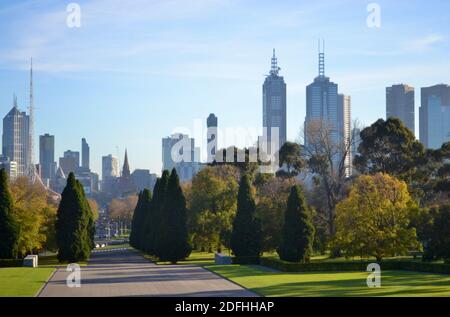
{"x":22,"y":281}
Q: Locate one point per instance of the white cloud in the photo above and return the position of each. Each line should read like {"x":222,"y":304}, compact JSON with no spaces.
{"x":422,"y":44}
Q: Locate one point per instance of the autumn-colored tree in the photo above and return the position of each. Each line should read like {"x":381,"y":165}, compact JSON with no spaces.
{"x":121,"y":210}
{"x":374,"y":220}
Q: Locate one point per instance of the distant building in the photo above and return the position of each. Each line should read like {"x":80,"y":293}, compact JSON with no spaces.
{"x":400,"y":104}
{"x":434,"y":116}
{"x":70,"y":162}
{"x":110,"y":172}
{"x":212,"y":127}
{"x":344,"y":121}
{"x":9,"y":166}
{"x":274,"y":105}
{"x":16,"y":138}
{"x":142,"y":179}
{"x":126,"y":185}
{"x":47,"y":156}
{"x":85,"y":154}
{"x":179,"y":152}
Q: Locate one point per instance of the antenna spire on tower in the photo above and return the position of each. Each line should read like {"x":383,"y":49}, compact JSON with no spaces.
{"x":274,"y":69}
{"x":322,"y":59}
{"x":31,"y":126}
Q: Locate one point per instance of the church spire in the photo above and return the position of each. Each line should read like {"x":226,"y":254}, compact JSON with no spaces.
{"x":126,"y":166}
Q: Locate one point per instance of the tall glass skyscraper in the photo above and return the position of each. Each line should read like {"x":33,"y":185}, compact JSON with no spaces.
{"x":47,"y":156}
{"x":434,"y":116}
{"x":274,"y":103}
{"x":400,"y":104}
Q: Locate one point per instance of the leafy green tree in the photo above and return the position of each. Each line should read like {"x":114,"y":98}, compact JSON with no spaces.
{"x":72,"y":225}
{"x":246,"y":234}
{"x":298,"y":230}
{"x":9,"y":228}
{"x":375,"y":219}
{"x":159,"y":197}
{"x":136,"y":223}
{"x":389,"y":147}
{"x":174,"y":236}
{"x":290,"y":156}
{"x":434,"y":233}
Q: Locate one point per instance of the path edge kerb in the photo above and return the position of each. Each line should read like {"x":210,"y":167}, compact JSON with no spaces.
{"x":39,"y":291}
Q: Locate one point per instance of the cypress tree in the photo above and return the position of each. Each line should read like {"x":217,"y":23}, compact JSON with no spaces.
{"x":149,"y":223}
{"x":136,"y":223}
{"x":174,"y":236}
{"x":9,"y":228}
{"x":72,"y":223}
{"x":246,"y":234}
{"x":298,"y":230}
{"x":88,"y":218}
{"x":157,"y":229}
{"x":146,"y":210}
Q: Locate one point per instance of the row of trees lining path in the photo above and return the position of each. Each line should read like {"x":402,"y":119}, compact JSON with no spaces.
{"x":159,"y":225}
{"x":75,"y":227}
{"x":9,"y":228}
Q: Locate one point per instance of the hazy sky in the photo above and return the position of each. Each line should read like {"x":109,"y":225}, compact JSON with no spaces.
{"x":135,"y":70}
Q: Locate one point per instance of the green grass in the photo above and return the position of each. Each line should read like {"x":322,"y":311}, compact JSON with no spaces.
{"x":393,"y":283}
{"x":20,"y":281}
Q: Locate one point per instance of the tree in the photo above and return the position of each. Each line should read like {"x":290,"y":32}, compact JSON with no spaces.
{"x":121,"y":210}
{"x":147,"y":218}
{"x":434,"y":233}
{"x":154,"y":242}
{"x":389,"y":147}
{"x":9,"y":228}
{"x":174,"y":237}
{"x":246,"y":234}
{"x":374,"y":220}
{"x":290,"y":156}
{"x":298,"y":230}
{"x":136,"y":223}
{"x":73,"y":233}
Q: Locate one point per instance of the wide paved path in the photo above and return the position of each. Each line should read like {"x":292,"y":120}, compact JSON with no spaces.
{"x":126,"y":273}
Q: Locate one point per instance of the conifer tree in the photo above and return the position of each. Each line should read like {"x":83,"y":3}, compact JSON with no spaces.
{"x":298,"y":230}
{"x":158,"y":202}
{"x":246,"y":234}
{"x":9,"y":228}
{"x":146,"y":210}
{"x":174,"y":236}
{"x":72,"y":223}
{"x":136,"y":223}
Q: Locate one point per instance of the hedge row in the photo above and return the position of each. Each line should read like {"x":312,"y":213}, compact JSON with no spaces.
{"x":11,"y":262}
{"x":246,"y":260}
{"x":355,"y":266}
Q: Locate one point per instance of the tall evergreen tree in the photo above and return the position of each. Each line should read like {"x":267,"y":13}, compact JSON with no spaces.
{"x":298,"y":230}
{"x":174,"y":236}
{"x":9,"y":228}
{"x":136,"y":223}
{"x":72,"y":223}
{"x":147,"y":215}
{"x":155,"y":243}
{"x":246,"y":235}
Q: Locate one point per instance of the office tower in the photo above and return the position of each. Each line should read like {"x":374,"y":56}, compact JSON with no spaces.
{"x":70,"y":162}
{"x":9,"y":166}
{"x":211,"y":124}
{"x":344,"y":121}
{"x":400,"y":104}
{"x":84,"y":154}
{"x":326,"y":109}
{"x":142,"y":179}
{"x":179,"y":152}
{"x":16,"y":138}
{"x":47,"y":156}
{"x":434,"y":116}
{"x":274,"y":104}
{"x":110,"y":167}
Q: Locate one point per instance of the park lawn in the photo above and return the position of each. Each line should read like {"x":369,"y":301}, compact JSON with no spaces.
{"x":22,"y":281}
{"x":393,"y":283}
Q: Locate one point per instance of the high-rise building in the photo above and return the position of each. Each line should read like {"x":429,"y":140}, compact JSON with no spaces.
{"x":327,"y":109}
{"x":179,"y":152}
{"x":344,"y":121}
{"x":9,"y":166}
{"x":16,"y":138}
{"x":212,"y":126}
{"x":274,"y":104}
{"x":84,"y":154}
{"x":70,"y":162}
{"x":434,"y":116}
{"x":400,"y":104}
{"x":142,"y":179}
{"x":110,"y":167}
{"x":47,"y":156}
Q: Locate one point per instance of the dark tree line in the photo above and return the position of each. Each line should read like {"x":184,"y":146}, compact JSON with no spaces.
{"x":159,"y":225}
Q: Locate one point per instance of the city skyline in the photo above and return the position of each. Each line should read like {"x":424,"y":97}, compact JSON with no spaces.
{"x":142,"y":92}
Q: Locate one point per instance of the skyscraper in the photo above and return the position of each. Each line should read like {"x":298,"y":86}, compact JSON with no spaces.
{"x":84,"y":154}
{"x":274,"y":104}
{"x":110,"y":167}
{"x":326,"y":109}
{"x":211,"y":124}
{"x":47,"y":156}
{"x":434,"y":116}
{"x":70,"y":162}
{"x":16,"y":138}
{"x":400,"y":104}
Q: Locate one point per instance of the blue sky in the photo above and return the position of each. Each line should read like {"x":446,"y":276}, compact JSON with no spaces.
{"x":135,"y":70}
